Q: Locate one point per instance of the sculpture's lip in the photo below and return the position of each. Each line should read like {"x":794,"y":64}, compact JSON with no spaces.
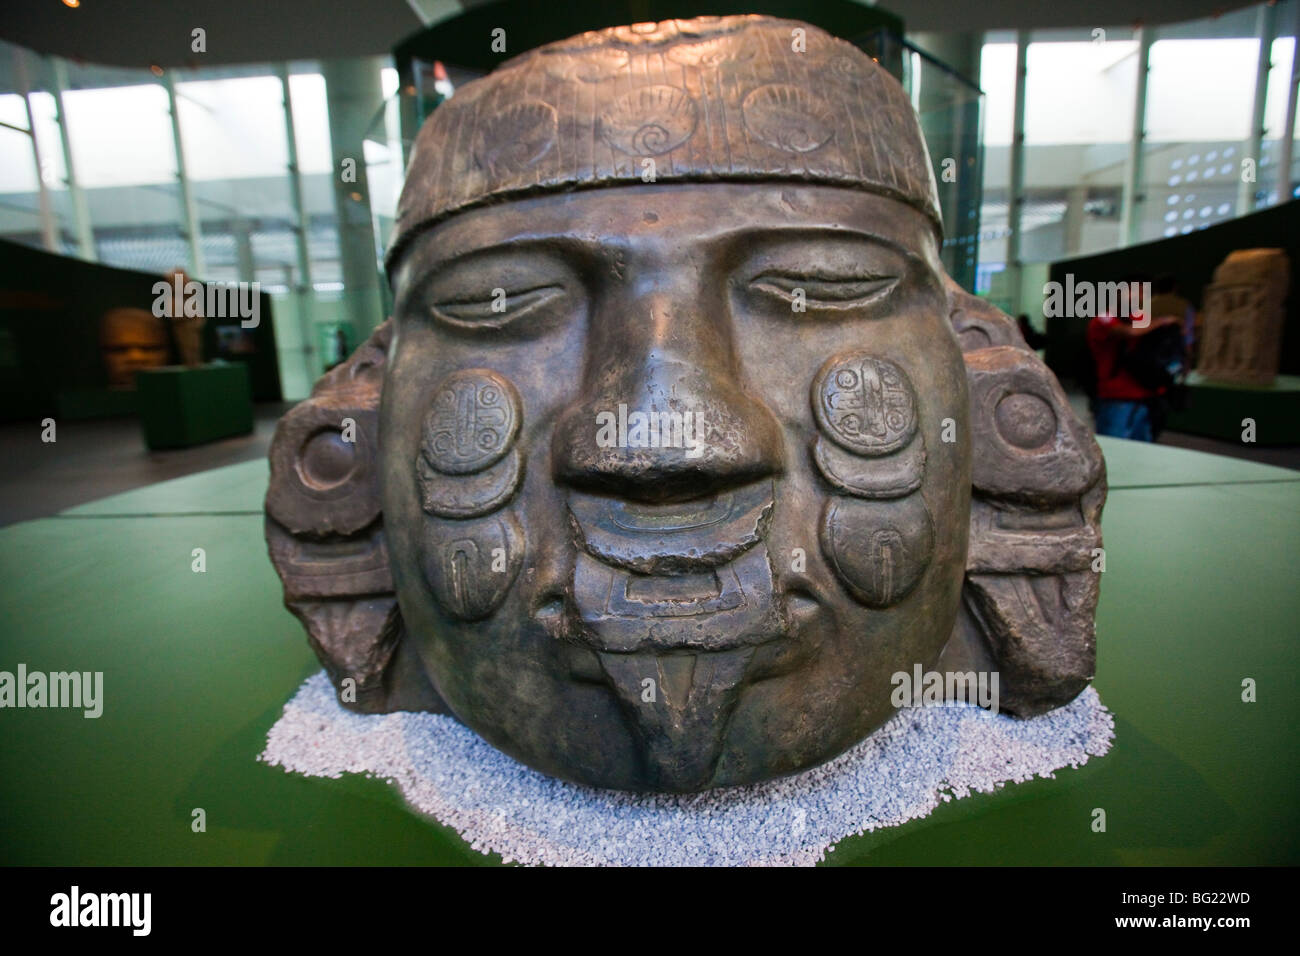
{"x":678,"y":538}
{"x":715,"y":609}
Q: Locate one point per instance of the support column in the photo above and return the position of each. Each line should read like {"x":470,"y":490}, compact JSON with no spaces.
{"x":951,"y":130}
{"x":1266,"y":27}
{"x":244,"y":265}
{"x":1133,"y":196}
{"x":49,"y":233}
{"x":304,"y":290}
{"x":1075,"y":216}
{"x":80,"y":211}
{"x":189,"y":212}
{"x":1285,"y":181}
{"x":355,"y":97}
{"x":1016,"y":188}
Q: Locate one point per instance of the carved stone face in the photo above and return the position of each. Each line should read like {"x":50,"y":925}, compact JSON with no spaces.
{"x":131,"y":340}
{"x":680,"y":612}
{"x":659,"y":485}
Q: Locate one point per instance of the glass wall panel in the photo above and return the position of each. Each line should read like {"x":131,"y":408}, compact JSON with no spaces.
{"x":16,"y":157}
{"x":255,"y":211}
{"x":312,"y":135}
{"x":20,"y":194}
{"x":236,"y":156}
{"x":1200,"y":95}
{"x":301,"y":309}
{"x":384,"y":160}
{"x":1274,"y":187}
{"x":949,"y":109}
{"x":54,"y":169}
{"x":998,"y":82}
{"x":119,"y":129}
{"x":1079,"y":96}
{"x":20,"y":216}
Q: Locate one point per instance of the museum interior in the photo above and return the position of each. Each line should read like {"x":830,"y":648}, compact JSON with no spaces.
{"x":233,"y":255}
{"x":265,"y":150}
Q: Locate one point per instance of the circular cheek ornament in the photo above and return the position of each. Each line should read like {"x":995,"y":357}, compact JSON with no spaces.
{"x":473,"y":421}
{"x":467,"y":468}
{"x":865,"y":404}
{"x":468,"y":464}
{"x":629,"y":617}
{"x":878,"y":547}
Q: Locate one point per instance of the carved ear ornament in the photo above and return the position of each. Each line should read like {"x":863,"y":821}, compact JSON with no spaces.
{"x":325,"y":535}
{"x":1031,"y":591}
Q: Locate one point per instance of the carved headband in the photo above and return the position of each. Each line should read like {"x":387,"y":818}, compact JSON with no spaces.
{"x":715,"y":98}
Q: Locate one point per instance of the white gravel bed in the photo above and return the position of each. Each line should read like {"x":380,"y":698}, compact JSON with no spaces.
{"x":922,"y":757}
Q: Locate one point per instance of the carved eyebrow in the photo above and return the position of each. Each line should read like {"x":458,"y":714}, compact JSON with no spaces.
{"x":842,"y":233}
{"x":568,"y":246}
{"x":578,"y":245}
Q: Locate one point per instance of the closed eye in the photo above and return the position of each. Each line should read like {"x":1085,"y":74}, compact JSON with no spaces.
{"x":496,"y":310}
{"x":825,"y":292}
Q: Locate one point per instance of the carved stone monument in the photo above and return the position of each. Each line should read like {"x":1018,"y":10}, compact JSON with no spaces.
{"x":187,"y":325}
{"x":681,"y":447}
{"x":1244,"y":317}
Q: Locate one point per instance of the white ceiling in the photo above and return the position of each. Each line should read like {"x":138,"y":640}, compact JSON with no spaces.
{"x":145,"y":32}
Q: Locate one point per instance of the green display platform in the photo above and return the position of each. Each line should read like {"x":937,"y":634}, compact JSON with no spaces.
{"x":1217,"y":409}
{"x":1199,"y":593}
{"x":181,"y":407}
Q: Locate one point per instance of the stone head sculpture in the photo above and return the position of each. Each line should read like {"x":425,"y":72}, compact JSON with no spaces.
{"x":681,"y":445}
{"x":130,"y":340}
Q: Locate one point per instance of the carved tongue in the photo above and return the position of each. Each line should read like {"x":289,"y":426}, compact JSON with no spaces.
{"x":681,"y":718}
{"x":675,"y":650}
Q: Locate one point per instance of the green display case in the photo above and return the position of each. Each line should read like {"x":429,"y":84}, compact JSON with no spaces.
{"x":181,"y":407}
{"x":1221,"y":409}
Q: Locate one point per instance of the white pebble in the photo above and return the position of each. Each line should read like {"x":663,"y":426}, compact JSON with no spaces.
{"x":920,"y":758}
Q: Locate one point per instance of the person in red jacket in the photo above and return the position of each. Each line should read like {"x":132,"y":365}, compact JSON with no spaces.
{"x":1122,"y":405}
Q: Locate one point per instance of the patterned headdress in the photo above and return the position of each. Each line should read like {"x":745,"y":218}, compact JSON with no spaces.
{"x":711,"y":99}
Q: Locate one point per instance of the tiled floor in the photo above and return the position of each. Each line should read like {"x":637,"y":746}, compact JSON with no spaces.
{"x":93,"y":459}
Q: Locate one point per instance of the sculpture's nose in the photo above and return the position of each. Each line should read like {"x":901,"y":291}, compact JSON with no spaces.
{"x":662,"y":412}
